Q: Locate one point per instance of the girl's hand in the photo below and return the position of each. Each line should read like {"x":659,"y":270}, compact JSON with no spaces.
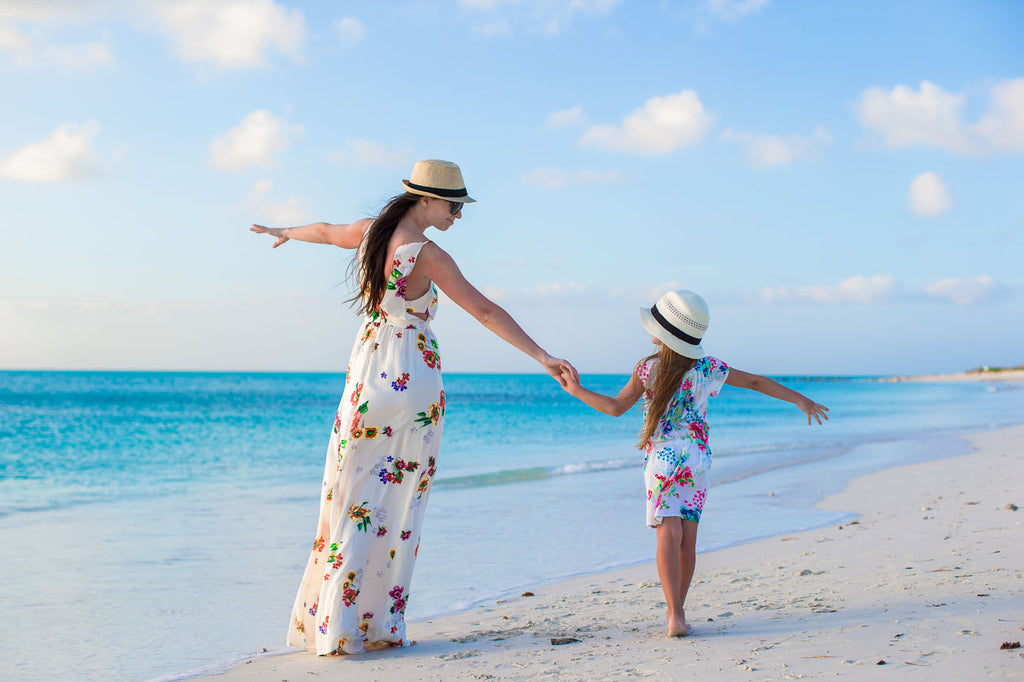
{"x":272,"y":231}
{"x":570,"y":379}
{"x":812,"y":409}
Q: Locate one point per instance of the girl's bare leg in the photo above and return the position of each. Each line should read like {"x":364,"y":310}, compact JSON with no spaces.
{"x":687,"y":562}
{"x":670,"y":542}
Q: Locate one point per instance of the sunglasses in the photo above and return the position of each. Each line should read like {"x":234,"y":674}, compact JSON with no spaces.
{"x":455,"y":206}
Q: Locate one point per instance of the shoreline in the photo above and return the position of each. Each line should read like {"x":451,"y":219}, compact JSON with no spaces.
{"x":993,"y":375}
{"x":920,"y":580}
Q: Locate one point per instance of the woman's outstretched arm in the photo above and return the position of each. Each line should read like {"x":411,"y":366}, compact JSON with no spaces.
{"x":774,"y":389}
{"x":617,"y":406}
{"x":346,"y":236}
{"x":443,"y":271}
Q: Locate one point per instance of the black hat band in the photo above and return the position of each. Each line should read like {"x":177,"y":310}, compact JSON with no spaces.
{"x":453,"y":193}
{"x":681,"y":335}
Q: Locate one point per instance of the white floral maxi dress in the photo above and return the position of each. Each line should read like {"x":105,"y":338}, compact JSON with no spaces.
{"x":677,"y":467}
{"x":380,"y":461}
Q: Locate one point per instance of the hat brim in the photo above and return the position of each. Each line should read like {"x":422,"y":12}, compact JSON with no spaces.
{"x":678,"y":345}
{"x":463,"y":199}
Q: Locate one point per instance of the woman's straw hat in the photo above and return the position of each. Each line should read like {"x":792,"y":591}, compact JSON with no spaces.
{"x":438,"y":179}
{"x":679,"y":320}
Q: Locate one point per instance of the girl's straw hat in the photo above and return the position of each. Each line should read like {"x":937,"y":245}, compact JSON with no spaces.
{"x":679,"y":320}
{"x":438,"y":179}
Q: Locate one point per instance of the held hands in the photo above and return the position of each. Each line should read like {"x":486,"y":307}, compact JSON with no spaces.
{"x":272,"y":231}
{"x":570,"y":379}
{"x":812,"y":409}
{"x":559,"y":369}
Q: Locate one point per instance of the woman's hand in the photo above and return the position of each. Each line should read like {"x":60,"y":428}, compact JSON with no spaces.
{"x":272,"y":231}
{"x":812,"y":409}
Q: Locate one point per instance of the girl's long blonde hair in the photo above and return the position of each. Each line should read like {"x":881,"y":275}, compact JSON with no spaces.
{"x":669,"y":376}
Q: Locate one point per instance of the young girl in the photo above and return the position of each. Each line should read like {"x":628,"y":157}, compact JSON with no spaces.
{"x":676,"y":383}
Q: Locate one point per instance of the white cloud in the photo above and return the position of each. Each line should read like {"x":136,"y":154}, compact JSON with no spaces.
{"x":662,"y":125}
{"x":964,"y":291}
{"x":65,"y":155}
{"x":1002,"y":128}
{"x":765,"y":151}
{"x":859,"y":289}
{"x":882,"y":289}
{"x":350,"y":30}
{"x":230,"y":34}
{"x":548,"y":16}
{"x":928,"y":195}
{"x":567,"y":118}
{"x":292,"y":210}
{"x":731,"y":10}
{"x":367,"y":154}
{"x":253,"y":142}
{"x":554,"y":178}
{"x":903,"y":117}
{"x":24,"y":34}
{"x":932,"y":117}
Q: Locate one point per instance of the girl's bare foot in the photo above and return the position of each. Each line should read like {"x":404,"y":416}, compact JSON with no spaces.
{"x":677,"y":626}
{"x":678,"y":630}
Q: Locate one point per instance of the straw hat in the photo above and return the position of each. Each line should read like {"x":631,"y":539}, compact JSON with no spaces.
{"x":438,"y":179}
{"x":679,"y":320}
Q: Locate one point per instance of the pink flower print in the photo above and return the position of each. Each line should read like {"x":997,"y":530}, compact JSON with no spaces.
{"x":398,"y":603}
{"x":698,"y":500}
{"x":412,"y":259}
{"x":382,"y":531}
{"x":387,"y":431}
{"x":406,"y":534}
{"x":400,"y":286}
{"x":698,"y":432}
{"x":399,"y":334}
{"x":687,"y":385}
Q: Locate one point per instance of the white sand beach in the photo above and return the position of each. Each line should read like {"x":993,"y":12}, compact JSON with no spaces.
{"x":925,"y":584}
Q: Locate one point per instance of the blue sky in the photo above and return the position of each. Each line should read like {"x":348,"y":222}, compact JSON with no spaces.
{"x":841,"y":181}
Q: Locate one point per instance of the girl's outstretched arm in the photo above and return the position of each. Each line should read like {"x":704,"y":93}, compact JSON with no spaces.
{"x":616,"y":406}
{"x":772,"y":388}
{"x":346,"y":236}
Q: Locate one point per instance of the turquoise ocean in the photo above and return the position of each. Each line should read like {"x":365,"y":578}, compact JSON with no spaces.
{"x":155,"y":525}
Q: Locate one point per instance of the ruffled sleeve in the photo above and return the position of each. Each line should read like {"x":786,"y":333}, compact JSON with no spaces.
{"x":715,"y":372}
{"x":643,"y":370}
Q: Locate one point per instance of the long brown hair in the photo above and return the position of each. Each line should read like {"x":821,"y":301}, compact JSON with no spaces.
{"x":669,"y":375}
{"x":369,"y":265}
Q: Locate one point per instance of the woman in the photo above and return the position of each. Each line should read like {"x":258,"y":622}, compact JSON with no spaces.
{"x":383,"y":449}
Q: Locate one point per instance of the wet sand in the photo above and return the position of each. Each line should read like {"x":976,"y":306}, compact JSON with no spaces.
{"x":925,"y":584}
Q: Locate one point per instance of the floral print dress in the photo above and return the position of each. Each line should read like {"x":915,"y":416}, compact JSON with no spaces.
{"x":380,"y":461}
{"x":678,"y":463}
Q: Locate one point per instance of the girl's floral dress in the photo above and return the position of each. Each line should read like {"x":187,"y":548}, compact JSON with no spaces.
{"x":678,"y":463}
{"x":380,"y":461}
